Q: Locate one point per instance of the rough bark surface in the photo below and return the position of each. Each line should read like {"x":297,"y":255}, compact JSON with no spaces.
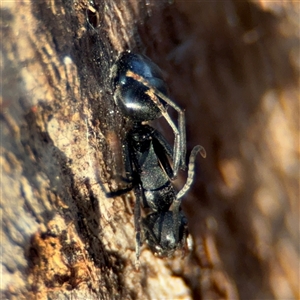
{"x":233,"y":66}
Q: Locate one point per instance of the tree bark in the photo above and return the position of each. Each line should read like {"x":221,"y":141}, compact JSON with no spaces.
{"x":232,"y":65}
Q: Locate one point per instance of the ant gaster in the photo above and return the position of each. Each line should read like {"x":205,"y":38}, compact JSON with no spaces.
{"x":141,"y":95}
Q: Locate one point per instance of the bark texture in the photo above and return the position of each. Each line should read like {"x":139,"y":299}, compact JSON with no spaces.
{"x":233,"y":66}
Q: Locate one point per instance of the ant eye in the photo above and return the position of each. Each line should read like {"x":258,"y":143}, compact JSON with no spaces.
{"x":122,"y":81}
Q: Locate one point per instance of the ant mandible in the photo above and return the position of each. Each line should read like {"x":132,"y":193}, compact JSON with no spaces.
{"x":141,"y":95}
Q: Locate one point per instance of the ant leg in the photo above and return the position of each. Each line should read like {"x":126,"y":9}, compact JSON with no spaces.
{"x":137,"y":225}
{"x":129,"y":160}
{"x":118,"y":192}
{"x":180,"y":135}
{"x":177,"y":154}
{"x":186,"y":187}
{"x":162,"y":141}
{"x":163,"y":150}
{"x":181,"y":125}
{"x":92,"y":14}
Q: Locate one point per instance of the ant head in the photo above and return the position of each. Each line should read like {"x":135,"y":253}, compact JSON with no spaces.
{"x":161,"y":234}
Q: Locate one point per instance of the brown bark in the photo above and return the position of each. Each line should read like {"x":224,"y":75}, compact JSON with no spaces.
{"x":232,"y":65}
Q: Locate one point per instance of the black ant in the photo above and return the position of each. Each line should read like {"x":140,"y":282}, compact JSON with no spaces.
{"x":141,"y":95}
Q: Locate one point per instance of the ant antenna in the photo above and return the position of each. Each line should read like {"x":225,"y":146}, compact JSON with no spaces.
{"x":191,"y":170}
